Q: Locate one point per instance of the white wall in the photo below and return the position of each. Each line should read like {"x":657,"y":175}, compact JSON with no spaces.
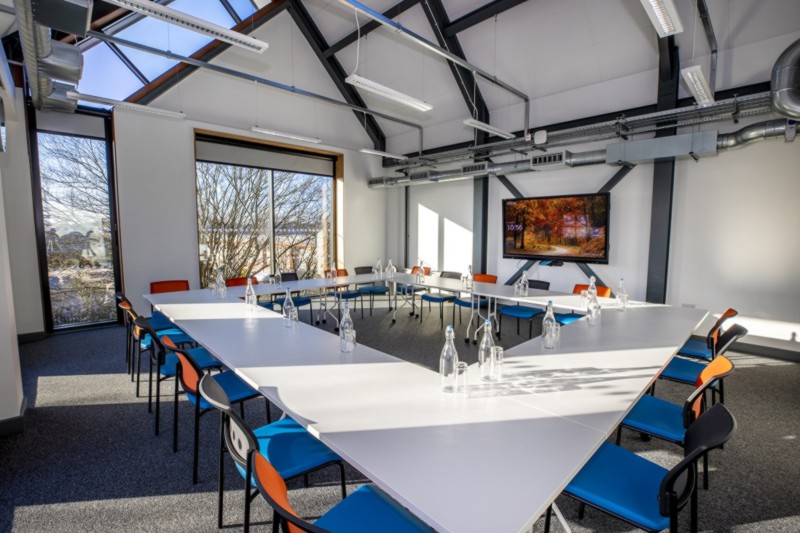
{"x":16,"y":169}
{"x":10,"y":379}
{"x":156,"y":190}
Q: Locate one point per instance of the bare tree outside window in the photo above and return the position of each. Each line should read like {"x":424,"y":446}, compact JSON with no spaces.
{"x":76,"y":209}
{"x":235,"y":216}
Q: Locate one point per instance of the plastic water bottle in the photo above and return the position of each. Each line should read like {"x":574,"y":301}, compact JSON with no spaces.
{"x":379,"y":269}
{"x":289,"y":310}
{"x":485,"y":352}
{"x":549,"y":327}
{"x":347,"y":332}
{"x":468,"y":278}
{"x":593,"y":310}
{"x":250,"y":297}
{"x":448,"y":361}
{"x":222,"y":290}
{"x":523,"y":284}
{"x":391,"y":270}
{"x":622,"y":295}
{"x":592,"y":291}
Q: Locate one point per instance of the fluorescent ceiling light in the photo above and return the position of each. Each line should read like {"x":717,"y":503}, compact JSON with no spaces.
{"x":697,"y":84}
{"x":390,"y":94}
{"x":184,"y":20}
{"x":125,"y":105}
{"x":382,"y":154}
{"x":478,"y":125}
{"x":294,"y":136}
{"x":664,"y":16}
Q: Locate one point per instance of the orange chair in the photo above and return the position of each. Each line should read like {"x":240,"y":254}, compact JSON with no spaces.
{"x":569,"y":318}
{"x":238,"y":282}
{"x":170,"y":285}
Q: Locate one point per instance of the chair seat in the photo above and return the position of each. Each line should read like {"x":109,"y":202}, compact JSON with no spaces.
{"x":374,"y":289}
{"x":461,"y":302}
{"x":696,"y":349}
{"x":177,"y":336}
{"x":437,"y":298}
{"x":567,"y":318}
{"x":520,"y":311}
{"x":159,"y":320}
{"x":202,"y":356}
{"x":346,"y":295}
{"x":290,"y":449}
{"x":410,"y":289}
{"x":300,"y":301}
{"x":368,"y":509}
{"x":622,"y":483}
{"x":267,"y":305}
{"x":683,"y":370}
{"x":657,"y":417}
{"x":236,"y":389}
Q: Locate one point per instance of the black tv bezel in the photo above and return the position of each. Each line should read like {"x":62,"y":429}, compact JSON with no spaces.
{"x":566,"y":259}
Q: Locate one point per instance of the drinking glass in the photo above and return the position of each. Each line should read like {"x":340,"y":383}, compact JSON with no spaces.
{"x":497,"y":363}
{"x":461,"y":378}
{"x":584,"y":299}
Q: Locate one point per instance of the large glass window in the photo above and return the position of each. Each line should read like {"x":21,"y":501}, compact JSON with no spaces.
{"x":252,"y":221}
{"x":76,"y":214}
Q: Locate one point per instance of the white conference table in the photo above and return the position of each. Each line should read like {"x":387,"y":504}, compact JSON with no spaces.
{"x":492,"y":460}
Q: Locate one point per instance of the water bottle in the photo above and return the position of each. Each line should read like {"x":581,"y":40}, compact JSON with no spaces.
{"x":250,"y":293}
{"x":485,"y":362}
{"x":622,"y":295}
{"x":222,"y":290}
{"x":448,"y":361}
{"x":391,"y":270}
{"x":347,"y":333}
{"x":467,"y":278}
{"x":379,"y":269}
{"x":278,"y":277}
{"x":549,"y":327}
{"x":593,"y":310}
{"x":289,"y":310}
{"x":592,"y":291}
{"x":523,"y":284}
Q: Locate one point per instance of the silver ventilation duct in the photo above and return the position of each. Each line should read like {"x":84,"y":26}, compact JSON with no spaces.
{"x":755,"y":132}
{"x":785,"y":82}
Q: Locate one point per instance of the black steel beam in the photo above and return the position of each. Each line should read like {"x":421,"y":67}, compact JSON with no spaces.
{"x":128,"y":63}
{"x":617,"y":177}
{"x":437,"y":16}
{"x":232,"y":12}
{"x":370,"y":26}
{"x":586,"y":269}
{"x":335,"y":70}
{"x":663,"y":177}
{"x":517,"y":194}
{"x":480,"y":218}
{"x":479,"y":15}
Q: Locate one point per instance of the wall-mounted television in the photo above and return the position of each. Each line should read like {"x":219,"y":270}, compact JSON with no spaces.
{"x":557,"y":228}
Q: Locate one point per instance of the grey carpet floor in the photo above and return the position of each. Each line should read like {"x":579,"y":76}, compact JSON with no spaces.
{"x":88,"y":459}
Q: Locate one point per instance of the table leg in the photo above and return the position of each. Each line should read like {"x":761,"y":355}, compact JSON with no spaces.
{"x":561,"y":519}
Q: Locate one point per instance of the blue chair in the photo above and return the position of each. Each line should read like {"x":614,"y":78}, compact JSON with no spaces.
{"x":367,"y":509}
{"x":189,"y":375}
{"x":289,"y":447}
{"x":297,"y":299}
{"x":411,"y":290}
{"x":470,"y":303}
{"x":345,"y":294}
{"x":439,"y":298}
{"x":143,"y":333}
{"x":631,"y":488}
{"x":568,"y":318}
{"x":523,"y":311}
{"x":696,"y":354}
{"x":371,"y":289}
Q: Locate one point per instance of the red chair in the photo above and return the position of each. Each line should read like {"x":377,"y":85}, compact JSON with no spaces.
{"x":238,"y":282}
{"x":569,"y":318}
{"x":170,"y":285}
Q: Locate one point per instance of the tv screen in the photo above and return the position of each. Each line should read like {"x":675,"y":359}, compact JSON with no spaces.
{"x":557,"y":228}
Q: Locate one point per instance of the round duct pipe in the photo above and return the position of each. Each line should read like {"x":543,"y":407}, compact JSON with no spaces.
{"x":754,"y":132}
{"x":785,"y":82}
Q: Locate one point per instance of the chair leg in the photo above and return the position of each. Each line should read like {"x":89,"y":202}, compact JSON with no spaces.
{"x":158,"y":405}
{"x":693,"y":510}
{"x":619,"y":434}
{"x":249,"y":472}
{"x":518,"y":326}
{"x":499,"y":325}
{"x":581,"y":510}
{"x":343,"y":480}
{"x":705,"y":471}
{"x":196,"y":451}
{"x":362,"y":306}
{"x":269,"y":411}
{"x":530,"y":328}
{"x":441,"y":315}
{"x":547,"y":519}
{"x":221,"y":476}
{"x":175,"y":418}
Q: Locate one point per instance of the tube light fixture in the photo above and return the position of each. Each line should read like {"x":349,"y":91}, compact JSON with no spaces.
{"x":697,"y":84}
{"x":294,"y":136}
{"x":125,"y":105}
{"x":488,"y":128}
{"x":664,"y":16}
{"x":382,"y":154}
{"x":390,"y":94}
{"x":184,"y":20}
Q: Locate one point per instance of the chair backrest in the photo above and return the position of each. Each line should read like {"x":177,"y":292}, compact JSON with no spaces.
{"x":170,"y":285}
{"x":485,"y":278}
{"x":289,"y":276}
{"x":719,"y":368}
{"x":238,"y":282}
{"x":340,"y":272}
{"x":425,"y":270}
{"x":538,"y":284}
{"x":142,"y":327}
{"x":713,"y":334}
{"x":713,"y":429}
{"x":189,"y":372}
{"x":273,"y":488}
{"x":451,"y":275}
{"x":363,"y":270}
{"x":602,"y":291}
{"x":214,"y":393}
